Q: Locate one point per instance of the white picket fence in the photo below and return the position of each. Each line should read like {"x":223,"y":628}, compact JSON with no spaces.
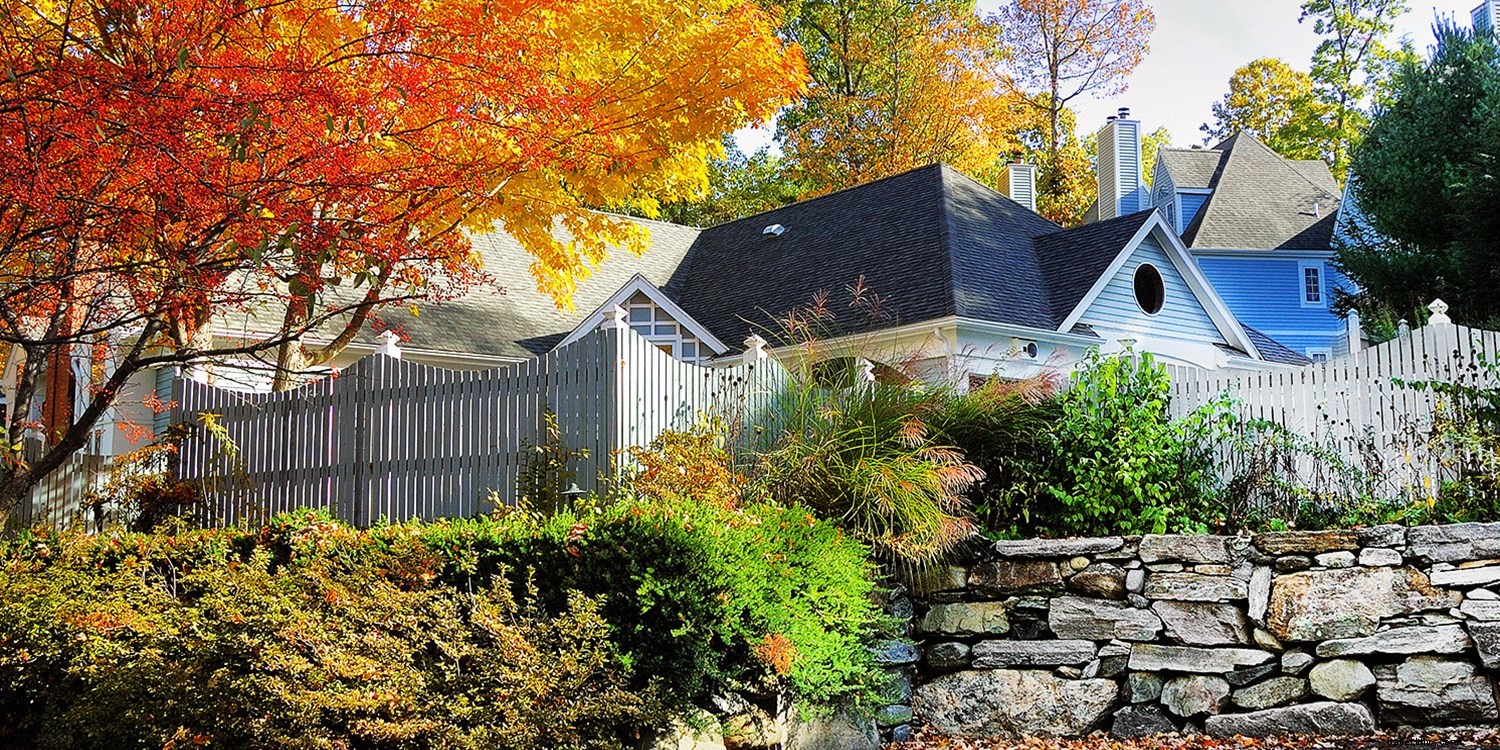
{"x":1356,"y":405}
{"x":388,"y":438}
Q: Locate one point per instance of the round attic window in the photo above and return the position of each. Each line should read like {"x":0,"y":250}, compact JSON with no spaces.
{"x":1149,"y":290}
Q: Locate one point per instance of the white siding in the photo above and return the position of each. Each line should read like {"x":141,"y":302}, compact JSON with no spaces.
{"x":1182,"y":316}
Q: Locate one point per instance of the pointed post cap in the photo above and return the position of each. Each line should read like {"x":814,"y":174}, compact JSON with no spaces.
{"x":755,"y":347}
{"x":1403,"y":328}
{"x":1439,"y":310}
{"x":615,"y":319}
{"x":392,"y":346}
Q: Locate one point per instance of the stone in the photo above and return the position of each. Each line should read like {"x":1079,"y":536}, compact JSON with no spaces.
{"x":752,"y":728}
{"x":1386,"y":535}
{"x":1277,"y":691}
{"x":702,"y":733}
{"x":1013,"y":703}
{"x":966,"y":619}
{"x":1098,"y":619}
{"x":1340,"y":559}
{"x":1323,"y":604}
{"x":1202,"y":623}
{"x":893,"y":715}
{"x":900,"y":608}
{"x":1134,"y":722}
{"x":1007,"y":577}
{"x":1450,"y":543}
{"x":1341,"y":679}
{"x":1151,"y":657}
{"x":1324,"y":719}
{"x":1483,"y":594}
{"x":1486,"y":637}
{"x":1416,"y":639}
{"x":898,"y":688}
{"x":1102,"y":580}
{"x":1135,"y":580}
{"x":1379,"y":557}
{"x":902,"y":733}
{"x":1291,"y":563}
{"x":1188,"y":548}
{"x":1072,"y":673}
{"x":947,"y":656}
{"x":893,"y":653}
{"x":1432,"y":690}
{"x":1295,"y":662}
{"x":1265,"y":640}
{"x":1213,"y":570}
{"x":1192,"y":587}
{"x":931,"y":579}
{"x":1138,"y":601}
{"x":1001,"y":654}
{"x":1259,"y":593}
{"x":1078,"y":563}
{"x":1166,"y":567}
{"x":1242,"y":677}
{"x":1194,"y":695}
{"x":1306,"y":542}
{"x":1143,"y":687}
{"x":1467,"y":577}
{"x":843,"y":730}
{"x":1057,"y":548}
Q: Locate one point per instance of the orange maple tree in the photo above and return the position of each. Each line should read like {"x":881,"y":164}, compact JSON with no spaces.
{"x":296,"y":164}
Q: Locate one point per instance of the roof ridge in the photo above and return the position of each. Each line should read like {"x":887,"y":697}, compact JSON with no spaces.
{"x":945,"y":235}
{"x":1284,"y":163}
{"x":816,"y":198}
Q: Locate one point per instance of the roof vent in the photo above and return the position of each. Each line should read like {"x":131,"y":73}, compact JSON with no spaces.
{"x":773,"y":230}
{"x":1124,"y":113}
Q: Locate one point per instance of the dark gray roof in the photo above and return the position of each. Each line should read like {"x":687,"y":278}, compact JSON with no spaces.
{"x":1262,"y":201}
{"x":930,"y":243}
{"x":1074,"y":259}
{"x":1191,"y":168}
{"x":1272,"y":350}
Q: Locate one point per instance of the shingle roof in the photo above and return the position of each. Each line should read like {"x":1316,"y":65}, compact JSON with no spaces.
{"x":1074,"y":259}
{"x":1191,"y":168}
{"x":1274,"y":351}
{"x":1264,"y":201}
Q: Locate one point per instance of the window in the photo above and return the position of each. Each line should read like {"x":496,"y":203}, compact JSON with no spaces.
{"x":657,"y":326}
{"x":1312,"y":285}
{"x":1319,"y":354}
{"x":1150,"y":293}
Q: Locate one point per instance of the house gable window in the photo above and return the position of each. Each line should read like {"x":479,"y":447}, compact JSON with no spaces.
{"x":658,"y":326}
{"x":1150,"y":290}
{"x":1313,"y":292}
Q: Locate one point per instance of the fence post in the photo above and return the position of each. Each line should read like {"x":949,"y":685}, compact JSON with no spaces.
{"x":361,"y":487}
{"x":1439,"y":317}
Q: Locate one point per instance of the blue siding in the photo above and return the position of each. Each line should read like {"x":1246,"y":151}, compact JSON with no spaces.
{"x":1265,"y":293}
{"x":1182,"y":317}
{"x":1191,"y":204}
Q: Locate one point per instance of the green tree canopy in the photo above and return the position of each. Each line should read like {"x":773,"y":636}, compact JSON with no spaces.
{"x":1273,"y":102}
{"x":1425,"y":183}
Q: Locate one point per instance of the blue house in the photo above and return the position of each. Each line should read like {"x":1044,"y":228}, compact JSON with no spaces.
{"x":1259,"y":225}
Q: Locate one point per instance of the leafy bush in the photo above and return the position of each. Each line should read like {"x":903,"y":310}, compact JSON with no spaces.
{"x":573,"y":630}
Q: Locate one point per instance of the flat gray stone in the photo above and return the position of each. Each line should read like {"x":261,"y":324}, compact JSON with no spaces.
{"x":1008,"y":577}
{"x":1002,"y":654}
{"x":1134,"y":722}
{"x":1259,"y":592}
{"x":1416,"y":639}
{"x":1340,"y":559}
{"x":1385,"y":535}
{"x":1277,"y":691}
{"x":1324,"y":719}
{"x":1306,"y":542}
{"x":1378,"y":557}
{"x":1187,"y":548}
{"x":1247,"y":675}
{"x":1074,"y":617}
{"x":1323,"y":604}
{"x":1341,"y":679}
{"x":1194,"y":695}
{"x":1450,"y":543}
{"x":1151,"y":657}
{"x":894,"y":653}
{"x":841,"y":731}
{"x":1296,"y":662}
{"x":1013,"y":704}
{"x":1487,"y":610}
{"x":1143,"y":687}
{"x":947,"y":656}
{"x":1467,"y":577}
{"x":1057,"y":548}
{"x":1194,"y":587}
{"x":1431,"y":690}
{"x":966,"y":619}
{"x":1203,"y":623}
{"x":1486,"y":637}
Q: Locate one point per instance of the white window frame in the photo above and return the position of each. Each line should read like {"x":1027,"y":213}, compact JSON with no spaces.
{"x":1302,"y":269}
{"x":660,"y":315}
{"x":1313,"y":352}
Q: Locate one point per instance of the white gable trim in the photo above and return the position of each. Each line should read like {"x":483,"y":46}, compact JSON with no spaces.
{"x":1183,"y":261}
{"x":638,"y":284}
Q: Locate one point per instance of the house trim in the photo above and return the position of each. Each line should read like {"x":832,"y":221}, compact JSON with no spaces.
{"x":638,"y":284}
{"x":1223,"y":252}
{"x":1182,"y":260}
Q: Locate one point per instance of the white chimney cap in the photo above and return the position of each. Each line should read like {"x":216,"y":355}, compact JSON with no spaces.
{"x":774,"y":230}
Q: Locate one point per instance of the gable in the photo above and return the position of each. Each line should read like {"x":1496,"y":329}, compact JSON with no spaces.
{"x":1182,"y":316}
{"x":652,"y":314}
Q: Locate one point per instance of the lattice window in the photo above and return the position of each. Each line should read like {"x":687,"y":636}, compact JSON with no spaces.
{"x":658,"y":326}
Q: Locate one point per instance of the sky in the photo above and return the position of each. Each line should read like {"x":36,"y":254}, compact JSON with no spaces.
{"x":1198,"y":44}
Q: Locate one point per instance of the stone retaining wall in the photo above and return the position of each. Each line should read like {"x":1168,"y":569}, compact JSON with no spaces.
{"x":1332,"y":632}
